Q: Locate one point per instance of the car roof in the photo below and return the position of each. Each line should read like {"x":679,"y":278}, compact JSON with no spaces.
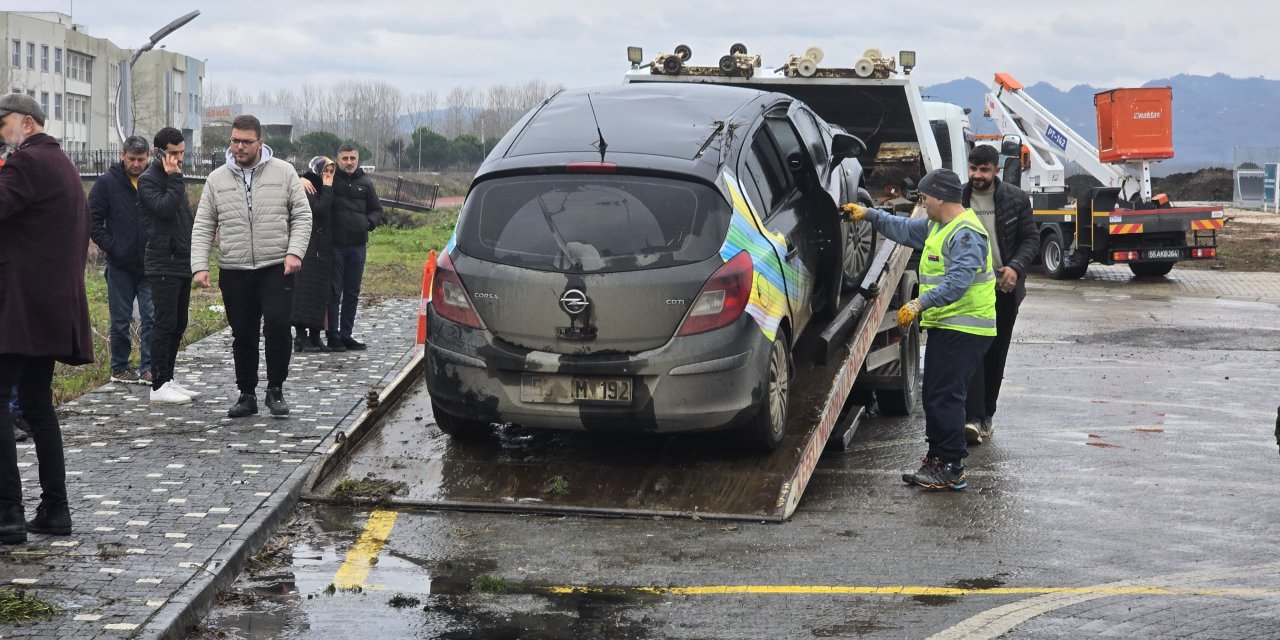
{"x":659,"y":126}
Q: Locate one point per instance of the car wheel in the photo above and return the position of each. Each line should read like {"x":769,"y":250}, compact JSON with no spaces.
{"x":859,"y":248}
{"x":767,"y":428}
{"x":461,"y":428}
{"x":1150,"y":269}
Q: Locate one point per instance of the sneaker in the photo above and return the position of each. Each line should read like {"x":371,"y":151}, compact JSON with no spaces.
{"x":144,"y":377}
{"x":352,"y":345}
{"x":336,"y":343}
{"x":167,"y":394}
{"x":973,"y":431}
{"x":275,"y":402}
{"x":936,"y":474}
{"x":247,"y":405}
{"x":183,"y":390}
{"x":125,"y":376}
{"x":988,"y":428}
{"x":21,"y":430}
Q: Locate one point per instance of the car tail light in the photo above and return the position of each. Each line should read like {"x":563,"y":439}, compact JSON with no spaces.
{"x":1124,"y":256}
{"x":591,"y":167}
{"x":1204,"y":252}
{"x":449,"y":298}
{"x":722,"y":298}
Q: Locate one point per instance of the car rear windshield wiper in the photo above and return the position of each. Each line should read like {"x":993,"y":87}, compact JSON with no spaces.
{"x":555,"y":233}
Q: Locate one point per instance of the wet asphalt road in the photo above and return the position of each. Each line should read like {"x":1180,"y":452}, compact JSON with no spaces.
{"x":1128,"y":492}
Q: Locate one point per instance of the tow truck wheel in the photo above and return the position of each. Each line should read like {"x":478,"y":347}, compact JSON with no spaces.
{"x":766,"y":429}
{"x":684,"y":52}
{"x":902,"y":401}
{"x":728,"y":64}
{"x":1150,"y":269}
{"x":460,"y":428}
{"x":737,"y":48}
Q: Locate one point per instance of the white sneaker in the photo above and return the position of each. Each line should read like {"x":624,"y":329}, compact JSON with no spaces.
{"x":181,"y":389}
{"x":166,"y":394}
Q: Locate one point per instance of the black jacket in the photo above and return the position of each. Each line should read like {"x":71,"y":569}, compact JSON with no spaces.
{"x":117,"y":220}
{"x":356,"y":208}
{"x":1016,"y":233}
{"x":313,"y":286}
{"x":167,"y":216}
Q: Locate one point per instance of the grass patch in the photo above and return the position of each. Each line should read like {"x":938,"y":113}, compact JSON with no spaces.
{"x":556,"y":486}
{"x":16,"y":607}
{"x":401,"y":601}
{"x":333,"y":588}
{"x":393,"y":269}
{"x":352,"y":489}
{"x":491,"y":584}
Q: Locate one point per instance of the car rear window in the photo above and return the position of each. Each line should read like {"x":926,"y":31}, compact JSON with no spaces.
{"x":603,"y":222}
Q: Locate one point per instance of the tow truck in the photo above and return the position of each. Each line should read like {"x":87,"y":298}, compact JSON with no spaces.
{"x":858,"y":361}
{"x":1120,"y":222}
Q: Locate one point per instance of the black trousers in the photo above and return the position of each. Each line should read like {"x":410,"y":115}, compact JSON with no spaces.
{"x":34,"y":378}
{"x":259,"y":303}
{"x":949,"y":360}
{"x":984,"y":387}
{"x":171,"y":297}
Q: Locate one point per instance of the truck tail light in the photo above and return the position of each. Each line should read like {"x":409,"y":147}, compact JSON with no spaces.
{"x":450,"y":299}
{"x":1204,"y":252}
{"x":722,"y":299}
{"x":1124,"y":256}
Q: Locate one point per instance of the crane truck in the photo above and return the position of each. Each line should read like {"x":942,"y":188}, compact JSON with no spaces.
{"x":1120,"y":222}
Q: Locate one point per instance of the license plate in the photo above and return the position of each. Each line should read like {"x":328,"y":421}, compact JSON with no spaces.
{"x":1156,"y":254}
{"x":562,"y":389}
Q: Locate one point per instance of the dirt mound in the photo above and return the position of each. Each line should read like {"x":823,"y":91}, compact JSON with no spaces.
{"x":1209,"y":184}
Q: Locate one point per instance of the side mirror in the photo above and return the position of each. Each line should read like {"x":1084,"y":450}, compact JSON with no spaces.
{"x":1011,"y":145}
{"x":846,"y":145}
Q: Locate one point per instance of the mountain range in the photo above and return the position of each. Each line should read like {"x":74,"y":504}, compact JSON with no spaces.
{"x":1211,"y":114}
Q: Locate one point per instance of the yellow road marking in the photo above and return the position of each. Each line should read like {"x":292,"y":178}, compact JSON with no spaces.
{"x":355,"y":569}
{"x":923,"y":591}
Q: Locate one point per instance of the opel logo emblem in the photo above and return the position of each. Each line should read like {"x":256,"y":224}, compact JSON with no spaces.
{"x":574,"y":301}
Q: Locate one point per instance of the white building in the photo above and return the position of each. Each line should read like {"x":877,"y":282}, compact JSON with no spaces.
{"x":74,"y":76}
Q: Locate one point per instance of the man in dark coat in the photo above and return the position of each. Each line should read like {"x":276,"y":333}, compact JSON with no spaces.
{"x":313,"y":286}
{"x":44,"y":239}
{"x":117,"y":230}
{"x":1005,"y":211}
{"x":167,"y":216}
{"x":356,"y":211}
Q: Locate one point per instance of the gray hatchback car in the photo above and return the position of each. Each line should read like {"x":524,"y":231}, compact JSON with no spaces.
{"x":643,"y":258}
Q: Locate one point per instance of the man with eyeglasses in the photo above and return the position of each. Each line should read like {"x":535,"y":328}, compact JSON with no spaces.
{"x":44,"y":241}
{"x":257,"y":203}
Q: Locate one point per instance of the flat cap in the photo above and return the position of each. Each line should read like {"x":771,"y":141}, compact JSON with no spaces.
{"x":21,"y":103}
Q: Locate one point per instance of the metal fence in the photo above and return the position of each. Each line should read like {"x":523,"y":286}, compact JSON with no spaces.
{"x":406,"y":194}
{"x":96,"y":162}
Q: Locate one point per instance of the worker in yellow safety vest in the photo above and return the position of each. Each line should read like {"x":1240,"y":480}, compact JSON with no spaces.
{"x":957,"y":305}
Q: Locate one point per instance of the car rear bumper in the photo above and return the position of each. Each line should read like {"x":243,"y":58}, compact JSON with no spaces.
{"x":710,"y":381}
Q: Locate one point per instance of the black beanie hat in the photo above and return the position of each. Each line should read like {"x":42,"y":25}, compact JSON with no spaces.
{"x":942,"y":184}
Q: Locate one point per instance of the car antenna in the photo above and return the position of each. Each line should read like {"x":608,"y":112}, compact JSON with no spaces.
{"x":600,"y":144}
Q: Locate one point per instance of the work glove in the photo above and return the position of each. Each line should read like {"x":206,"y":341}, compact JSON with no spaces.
{"x":908,"y":313}
{"x":853,"y":212}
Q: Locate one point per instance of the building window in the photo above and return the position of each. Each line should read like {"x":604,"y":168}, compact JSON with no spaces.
{"x":17,"y":54}
{"x":79,"y":67}
{"x":31,"y":55}
{"x":44,"y":58}
{"x":77,"y":109}
{"x":57,"y":106}
{"x":44,"y":101}
{"x":57,"y":59}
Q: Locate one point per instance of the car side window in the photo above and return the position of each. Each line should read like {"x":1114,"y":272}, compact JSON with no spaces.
{"x":784,"y":134}
{"x":767,"y":171}
{"x":809,"y":129}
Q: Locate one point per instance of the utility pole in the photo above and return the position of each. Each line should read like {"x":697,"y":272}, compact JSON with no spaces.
{"x":124,"y":91}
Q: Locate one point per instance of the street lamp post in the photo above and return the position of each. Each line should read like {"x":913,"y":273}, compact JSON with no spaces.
{"x":124,"y":91}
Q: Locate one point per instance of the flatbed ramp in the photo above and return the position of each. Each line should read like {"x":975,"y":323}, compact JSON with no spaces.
{"x":541,"y":471}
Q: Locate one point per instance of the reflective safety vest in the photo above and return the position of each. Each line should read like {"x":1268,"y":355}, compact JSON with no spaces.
{"x":975,"y":312}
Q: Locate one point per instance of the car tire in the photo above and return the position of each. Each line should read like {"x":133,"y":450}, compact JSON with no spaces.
{"x":859,"y":247}
{"x":767,"y":429}
{"x":1150,"y":269}
{"x":461,"y":428}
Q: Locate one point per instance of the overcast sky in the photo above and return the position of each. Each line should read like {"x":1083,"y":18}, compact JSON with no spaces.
{"x":269,"y":44}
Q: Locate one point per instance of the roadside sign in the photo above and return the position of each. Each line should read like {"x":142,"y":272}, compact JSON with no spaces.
{"x":1270,"y":195}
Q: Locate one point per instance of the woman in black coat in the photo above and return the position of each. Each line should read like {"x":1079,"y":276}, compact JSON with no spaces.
{"x":313,"y":285}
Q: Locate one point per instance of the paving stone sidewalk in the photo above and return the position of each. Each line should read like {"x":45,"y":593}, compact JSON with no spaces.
{"x":1249,"y":286}
{"x":165,"y":497}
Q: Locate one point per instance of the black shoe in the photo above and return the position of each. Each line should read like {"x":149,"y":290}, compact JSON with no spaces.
{"x":246,"y":406}
{"x":352,"y":345}
{"x":275,"y":402}
{"x":316,"y":347}
{"x":53,"y":519}
{"x":12,"y":528}
{"x":298,"y":344}
{"x":336,"y":343}
{"x":21,"y":430}
{"x":936,"y":474}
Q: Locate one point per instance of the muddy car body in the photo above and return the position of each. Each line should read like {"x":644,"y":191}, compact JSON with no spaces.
{"x":641,"y":258}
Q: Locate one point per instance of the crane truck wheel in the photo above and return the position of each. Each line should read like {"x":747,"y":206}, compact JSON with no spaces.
{"x":1057,"y":265}
{"x":765,"y":431}
{"x":1150,"y":269}
{"x":460,"y":428}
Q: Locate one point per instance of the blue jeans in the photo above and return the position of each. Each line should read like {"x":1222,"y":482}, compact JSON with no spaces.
{"x":122,"y":289}
{"x":348,"y":271}
{"x":950,"y":358}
